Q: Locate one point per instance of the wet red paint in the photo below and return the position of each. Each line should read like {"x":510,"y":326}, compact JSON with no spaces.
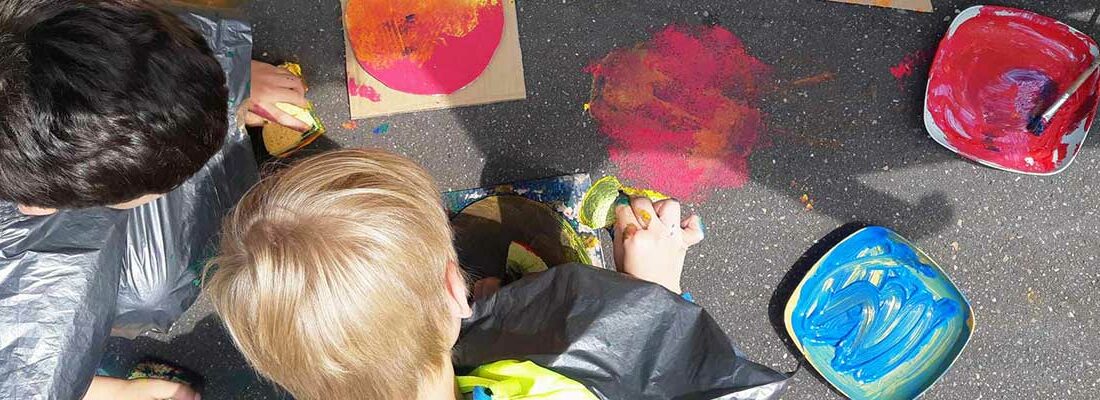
{"x":996,"y":71}
{"x":680,"y":110}
{"x":424,"y":46}
{"x":909,"y":64}
{"x":360,"y":90}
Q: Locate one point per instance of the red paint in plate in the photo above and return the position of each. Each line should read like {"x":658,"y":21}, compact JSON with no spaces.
{"x":996,"y":68}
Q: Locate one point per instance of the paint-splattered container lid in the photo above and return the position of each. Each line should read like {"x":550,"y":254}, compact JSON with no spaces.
{"x":998,"y":67}
{"x":877,"y":318}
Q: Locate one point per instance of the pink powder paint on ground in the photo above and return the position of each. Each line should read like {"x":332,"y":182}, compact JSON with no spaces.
{"x":367,"y":91}
{"x":680,"y":110}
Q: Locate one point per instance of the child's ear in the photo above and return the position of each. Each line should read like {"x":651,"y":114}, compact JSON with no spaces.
{"x":456,"y":287}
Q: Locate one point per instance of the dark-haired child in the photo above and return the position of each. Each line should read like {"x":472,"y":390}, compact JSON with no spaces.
{"x":103,"y":103}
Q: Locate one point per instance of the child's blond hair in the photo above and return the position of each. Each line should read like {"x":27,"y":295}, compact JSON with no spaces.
{"x":331,"y":278}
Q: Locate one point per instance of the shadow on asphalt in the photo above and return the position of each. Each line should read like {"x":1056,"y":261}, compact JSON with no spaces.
{"x":778,"y":302}
{"x":206,"y":350}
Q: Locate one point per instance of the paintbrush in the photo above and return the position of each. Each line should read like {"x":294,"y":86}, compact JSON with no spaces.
{"x":1038,"y":123}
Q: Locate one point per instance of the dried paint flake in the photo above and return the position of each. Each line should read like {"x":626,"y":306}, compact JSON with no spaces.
{"x":349,"y":125}
{"x":381,"y":129}
{"x":816,"y":79}
{"x":681,"y":110}
{"x":807,"y":201}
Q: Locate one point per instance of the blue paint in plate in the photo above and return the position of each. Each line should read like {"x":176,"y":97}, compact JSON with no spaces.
{"x":877,"y":318}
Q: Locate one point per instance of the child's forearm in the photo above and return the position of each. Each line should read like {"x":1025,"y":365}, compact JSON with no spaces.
{"x":107,"y":388}
{"x":104,"y":388}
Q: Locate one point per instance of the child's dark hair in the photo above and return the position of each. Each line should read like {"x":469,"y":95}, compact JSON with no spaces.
{"x":102,"y":102}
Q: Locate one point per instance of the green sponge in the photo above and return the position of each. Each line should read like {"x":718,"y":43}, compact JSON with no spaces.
{"x":597,"y":209}
{"x":522,"y":260}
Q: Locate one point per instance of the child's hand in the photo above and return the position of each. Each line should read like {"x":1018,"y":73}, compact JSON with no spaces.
{"x":106,"y":388}
{"x":651,"y":241}
{"x":270,"y":85}
{"x":156,"y":389}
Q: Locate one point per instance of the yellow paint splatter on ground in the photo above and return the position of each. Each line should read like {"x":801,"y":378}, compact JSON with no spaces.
{"x":806,"y":201}
{"x":1032,"y":296}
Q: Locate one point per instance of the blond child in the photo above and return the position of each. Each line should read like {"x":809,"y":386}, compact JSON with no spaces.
{"x":337,"y":277}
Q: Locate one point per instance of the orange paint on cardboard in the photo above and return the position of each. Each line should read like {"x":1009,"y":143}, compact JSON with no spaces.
{"x":913,"y":5}
{"x":393,"y":30}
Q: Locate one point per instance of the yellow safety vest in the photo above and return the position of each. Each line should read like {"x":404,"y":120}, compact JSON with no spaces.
{"x":522,"y":380}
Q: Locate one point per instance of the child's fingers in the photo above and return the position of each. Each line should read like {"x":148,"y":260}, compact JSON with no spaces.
{"x":629,"y":231}
{"x":261,"y":68}
{"x":278,"y":116}
{"x":624,"y":215}
{"x":643,"y":210}
{"x":694,"y":232}
{"x":285,"y":95}
{"x":162,"y":389}
{"x":289,"y":121}
{"x":668,"y":211}
{"x":267,"y":75}
{"x":292,"y":83}
{"x":282,"y":71}
{"x":251,"y":119}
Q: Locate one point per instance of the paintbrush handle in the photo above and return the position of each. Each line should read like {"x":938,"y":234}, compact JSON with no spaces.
{"x":1072,"y":89}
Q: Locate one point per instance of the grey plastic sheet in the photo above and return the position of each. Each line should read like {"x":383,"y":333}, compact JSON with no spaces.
{"x":169,"y":240}
{"x":69,"y":280}
{"x":621,"y":337}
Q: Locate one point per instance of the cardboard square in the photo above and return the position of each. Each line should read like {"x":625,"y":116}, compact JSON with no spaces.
{"x":912,"y":5}
{"x":502,"y":79}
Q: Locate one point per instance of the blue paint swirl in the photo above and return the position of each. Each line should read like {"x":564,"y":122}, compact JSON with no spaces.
{"x":875,"y":327}
{"x":875,"y":317}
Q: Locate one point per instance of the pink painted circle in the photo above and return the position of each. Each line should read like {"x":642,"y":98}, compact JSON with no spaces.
{"x":453,"y":65}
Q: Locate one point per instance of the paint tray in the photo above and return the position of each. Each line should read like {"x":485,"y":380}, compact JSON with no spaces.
{"x":877,"y":318}
{"x":995,"y":69}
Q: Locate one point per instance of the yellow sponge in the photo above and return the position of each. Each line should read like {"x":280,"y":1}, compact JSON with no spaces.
{"x":280,"y":141}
